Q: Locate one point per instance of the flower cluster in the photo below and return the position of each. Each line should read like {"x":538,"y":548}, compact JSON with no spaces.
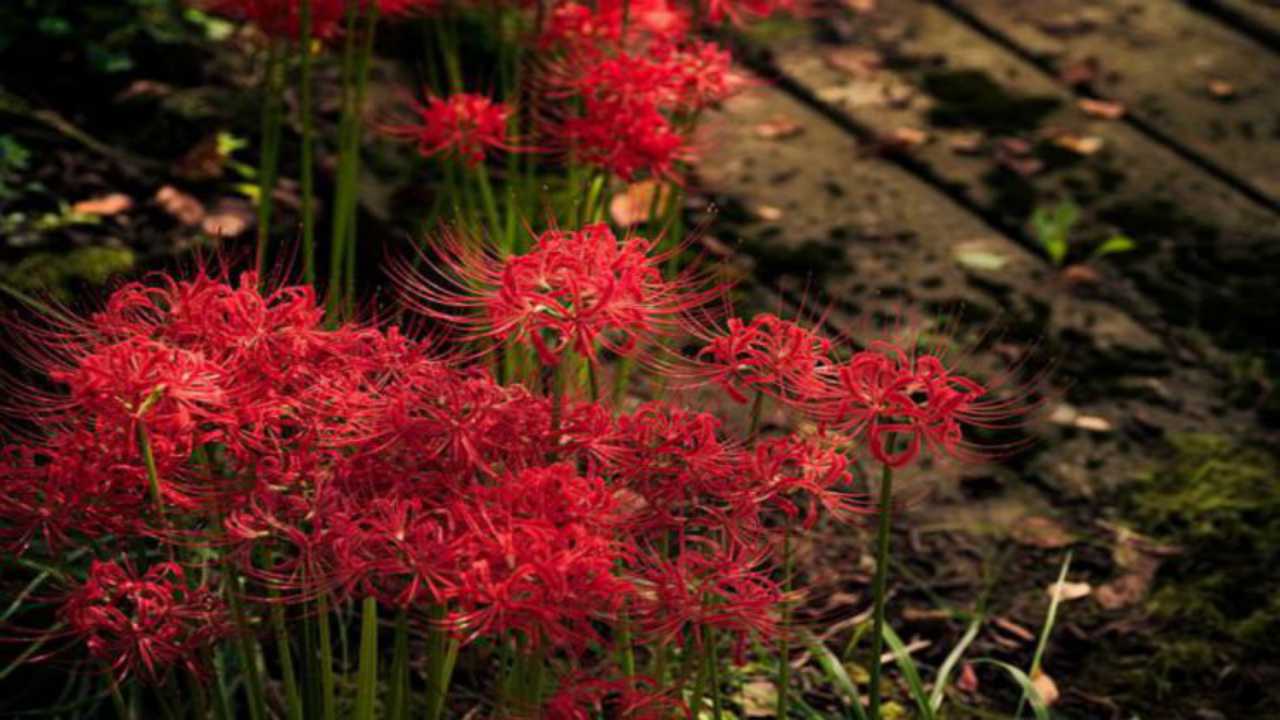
{"x":464,"y":124}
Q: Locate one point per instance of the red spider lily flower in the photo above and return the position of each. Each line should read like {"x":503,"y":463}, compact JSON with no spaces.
{"x":283,"y":18}
{"x":904,"y":402}
{"x":397,"y":550}
{"x":464,"y":124}
{"x":708,"y":585}
{"x":780,"y":358}
{"x":577,"y":290}
{"x":393,"y":8}
{"x":700,"y":74}
{"x":143,"y":625}
{"x":783,"y":468}
{"x":625,"y":138}
{"x":586,"y":30}
{"x":538,"y":557}
{"x":72,"y":488}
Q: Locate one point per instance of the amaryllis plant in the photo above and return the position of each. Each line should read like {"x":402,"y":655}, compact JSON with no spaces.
{"x":505,"y":497}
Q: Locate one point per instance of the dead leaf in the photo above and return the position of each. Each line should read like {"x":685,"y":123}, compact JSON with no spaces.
{"x":230,"y":218}
{"x":855,"y":62}
{"x":204,"y":161}
{"x":905,"y":138}
{"x":969,"y":143}
{"x":1078,"y":274}
{"x":861,"y":7}
{"x":631,"y":206}
{"x":968,"y":680}
{"x":1080,"y":73}
{"x":184,"y":208}
{"x":1069,"y":415}
{"x":1085,"y":145}
{"x":1016,"y":147}
{"x":1042,"y":532}
{"x":1069,"y":591}
{"x":779,"y":128}
{"x":1046,"y":687}
{"x":112,"y":204}
{"x":1105,"y":109}
{"x":1123,"y":592}
{"x":1014,"y":628}
{"x":759,"y":699}
{"x":144,"y":88}
{"x":1140,"y":558}
{"x":914,"y":614}
{"x":1093,"y":423}
{"x":1221,"y":89}
{"x":768,"y":213}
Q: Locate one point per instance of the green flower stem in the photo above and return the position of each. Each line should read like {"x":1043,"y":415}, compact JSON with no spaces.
{"x":328,"y":704}
{"x":247,"y":647}
{"x":153,"y":476}
{"x":398,"y":705}
{"x":757,"y":412}
{"x":269,"y":159}
{"x":367,"y":678}
{"x":879,"y":588}
{"x":308,"y":130}
{"x":442,"y":653}
{"x":293,"y":698}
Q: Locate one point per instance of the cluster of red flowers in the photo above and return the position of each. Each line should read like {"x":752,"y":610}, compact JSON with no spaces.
{"x":283,"y":18}
{"x":355,"y":462}
{"x":464,"y":124}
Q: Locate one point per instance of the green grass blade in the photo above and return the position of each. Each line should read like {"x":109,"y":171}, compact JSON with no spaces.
{"x":949,"y":664}
{"x":836,"y":673}
{"x":367,"y":682}
{"x":909,"y":670}
{"x":1028,"y":690}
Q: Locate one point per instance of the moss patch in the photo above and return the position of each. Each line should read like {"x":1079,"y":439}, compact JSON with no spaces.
{"x":57,"y":274}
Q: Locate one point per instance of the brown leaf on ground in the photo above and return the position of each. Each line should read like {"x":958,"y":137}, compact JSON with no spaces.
{"x":1077,"y":275}
{"x":967,"y":143}
{"x":779,"y":128}
{"x":1085,"y":145}
{"x":904,"y":138}
{"x":1014,"y":628}
{"x":1139,"y":557}
{"x":768,"y":213}
{"x":861,"y":7}
{"x":1069,"y":591}
{"x":230,"y":218}
{"x":1105,"y":109}
{"x":1047,"y":688}
{"x":144,"y":88}
{"x":968,"y":680}
{"x":184,"y":208}
{"x":855,"y":62}
{"x":1221,"y":89}
{"x":631,"y":206}
{"x":759,"y":699}
{"x":1042,"y":532}
{"x":1080,"y":73}
{"x":204,"y":161}
{"x":112,"y":204}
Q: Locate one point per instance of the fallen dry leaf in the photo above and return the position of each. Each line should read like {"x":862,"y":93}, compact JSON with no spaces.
{"x":968,"y":680}
{"x":779,"y":128}
{"x":184,"y":208}
{"x":112,"y":204}
{"x":855,"y":62}
{"x":230,"y":218}
{"x":1139,"y":557}
{"x":1222,"y":89}
{"x":1085,"y":145}
{"x":1080,"y":73}
{"x":1068,"y":415}
{"x":768,"y":213}
{"x":968,"y":143}
{"x":1069,"y":591}
{"x":1014,"y":628}
{"x":1016,"y":147}
{"x":1105,"y":109}
{"x":905,"y":137}
{"x":1042,"y":532}
{"x":144,"y":88}
{"x":1078,"y":274}
{"x":1047,"y":688}
{"x":1093,"y":423}
{"x":862,"y":7}
{"x":1123,"y":591}
{"x":759,"y":699}
{"x":632,"y":205}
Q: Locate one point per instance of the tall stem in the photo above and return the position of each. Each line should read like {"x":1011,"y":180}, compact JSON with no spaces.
{"x":308,"y":179}
{"x":328,"y":704}
{"x":713,"y":664}
{"x":153,"y":477}
{"x":270,"y":152}
{"x":878,"y":587}
{"x":367,"y":681}
{"x":293,"y":697}
{"x":757,"y":411}
{"x":398,"y":706}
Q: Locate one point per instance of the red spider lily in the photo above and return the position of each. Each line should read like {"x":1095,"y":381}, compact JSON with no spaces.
{"x":707,"y":585}
{"x":780,"y":358}
{"x":583,"y":29}
{"x":904,"y":402}
{"x":739,"y":12}
{"x":74,"y":487}
{"x":283,"y":18}
{"x":395,"y":549}
{"x":625,"y":138}
{"x":582,"y":697}
{"x":785,"y":467}
{"x":537,"y":559}
{"x":143,"y":625}
{"x":575,"y":290}
{"x":464,"y":124}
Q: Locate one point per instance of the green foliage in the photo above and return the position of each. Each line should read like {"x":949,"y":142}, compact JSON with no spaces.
{"x":1053,"y":229}
{"x":14,"y":159}
{"x":102,"y":33}
{"x":1218,"y":601}
{"x":54,"y":274}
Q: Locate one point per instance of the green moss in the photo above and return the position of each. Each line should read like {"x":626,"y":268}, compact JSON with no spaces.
{"x":1216,"y":604}
{"x":56,"y":274}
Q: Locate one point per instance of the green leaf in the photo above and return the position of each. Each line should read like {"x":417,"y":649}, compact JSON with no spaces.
{"x":944,"y":672}
{"x":1115,"y":244}
{"x":836,"y":673}
{"x":909,"y":670}
{"x":1053,"y":228}
{"x":1028,"y":690}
